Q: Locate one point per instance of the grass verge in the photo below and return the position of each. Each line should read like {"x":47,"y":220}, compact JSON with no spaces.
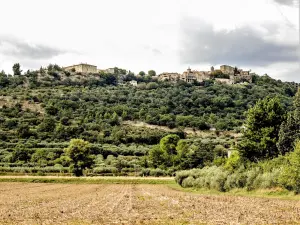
{"x":88,"y":180}
{"x":277,"y":193}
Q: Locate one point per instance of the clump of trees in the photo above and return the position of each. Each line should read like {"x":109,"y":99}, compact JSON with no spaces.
{"x":267,"y":156}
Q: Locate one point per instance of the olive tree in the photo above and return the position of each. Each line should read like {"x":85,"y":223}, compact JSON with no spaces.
{"x":78,"y":151}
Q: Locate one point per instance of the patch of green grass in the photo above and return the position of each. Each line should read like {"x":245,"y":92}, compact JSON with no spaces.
{"x":88,"y":180}
{"x":278,"y":193}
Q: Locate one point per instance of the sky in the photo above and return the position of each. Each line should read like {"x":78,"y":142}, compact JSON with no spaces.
{"x":164,"y":35}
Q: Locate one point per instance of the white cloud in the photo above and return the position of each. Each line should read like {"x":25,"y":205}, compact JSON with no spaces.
{"x":133,"y":34}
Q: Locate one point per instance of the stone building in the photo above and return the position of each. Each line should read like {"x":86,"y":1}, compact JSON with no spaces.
{"x":110,"y":70}
{"x":191,"y":76}
{"x":227,"y":69}
{"x":226,"y":75}
{"x":172,"y":77}
{"x":83,"y":68}
{"x":224,"y":81}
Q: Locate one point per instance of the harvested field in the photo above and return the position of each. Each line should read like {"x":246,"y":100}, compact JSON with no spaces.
{"x":27,"y":203}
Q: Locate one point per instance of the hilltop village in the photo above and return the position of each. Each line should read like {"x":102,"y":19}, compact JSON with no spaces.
{"x":226,"y":74}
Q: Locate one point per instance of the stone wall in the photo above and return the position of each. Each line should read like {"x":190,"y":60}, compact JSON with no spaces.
{"x":82,"y":68}
{"x":227,"y":69}
{"x":224,"y":81}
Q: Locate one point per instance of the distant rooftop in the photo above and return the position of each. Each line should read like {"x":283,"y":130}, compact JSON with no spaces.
{"x":80,"y":64}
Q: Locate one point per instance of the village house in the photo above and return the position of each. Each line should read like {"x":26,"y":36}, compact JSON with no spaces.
{"x":190,"y":76}
{"x":82,"y":68}
{"x":172,"y":77}
{"x":133,"y":83}
{"x":110,"y":70}
{"x":226,"y":75}
{"x":87,"y":68}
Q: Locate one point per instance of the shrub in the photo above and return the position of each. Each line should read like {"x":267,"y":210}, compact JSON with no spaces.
{"x":103,"y":170}
{"x":233,"y":162}
{"x":290,"y":177}
{"x":157,"y":172}
{"x":209,"y":177}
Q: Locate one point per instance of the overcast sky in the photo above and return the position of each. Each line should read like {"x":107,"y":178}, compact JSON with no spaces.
{"x":164,"y":35}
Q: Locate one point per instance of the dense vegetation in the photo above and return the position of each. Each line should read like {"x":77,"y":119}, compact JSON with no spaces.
{"x":53,"y":121}
{"x":268,"y":155}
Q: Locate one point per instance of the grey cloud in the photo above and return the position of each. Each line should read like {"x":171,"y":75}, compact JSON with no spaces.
{"x":291,"y":75}
{"x":155,"y":51}
{"x":294,"y":3}
{"x":14,"y":47}
{"x":242,"y":46}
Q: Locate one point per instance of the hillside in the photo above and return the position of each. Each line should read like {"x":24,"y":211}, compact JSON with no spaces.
{"x":40,"y":115}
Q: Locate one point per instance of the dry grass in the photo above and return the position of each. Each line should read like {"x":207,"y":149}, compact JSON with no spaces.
{"x":25,"y":203}
{"x":9,"y":102}
{"x":189,"y":131}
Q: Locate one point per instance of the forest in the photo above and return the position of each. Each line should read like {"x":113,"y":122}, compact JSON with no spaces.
{"x":52,"y":123}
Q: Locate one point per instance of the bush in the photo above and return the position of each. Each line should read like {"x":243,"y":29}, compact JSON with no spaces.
{"x":157,"y":172}
{"x":153,"y":172}
{"x":217,"y":178}
{"x":290,"y":177}
{"x":103,"y":170}
{"x":209,"y":177}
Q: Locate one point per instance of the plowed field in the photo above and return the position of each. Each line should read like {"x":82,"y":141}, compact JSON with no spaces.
{"x":27,"y":203}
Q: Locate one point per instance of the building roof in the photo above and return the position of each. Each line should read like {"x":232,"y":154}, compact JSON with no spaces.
{"x":80,"y":64}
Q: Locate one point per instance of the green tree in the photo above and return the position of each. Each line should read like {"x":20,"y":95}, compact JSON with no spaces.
{"x":290,"y":176}
{"x":142,"y":73}
{"x":114,"y":119}
{"x":168,"y":145}
{"x":48,"y":125}
{"x":78,"y":152}
{"x":4,"y":81}
{"x":290,"y":129}
{"x":151,"y":73}
{"x":233,"y":162}
{"x":24,"y":131}
{"x":17,"y":69}
{"x":262,"y":128}
{"x":21,"y":154}
{"x":156,"y":157}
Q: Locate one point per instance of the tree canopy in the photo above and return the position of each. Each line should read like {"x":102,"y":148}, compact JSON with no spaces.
{"x":261,"y":130}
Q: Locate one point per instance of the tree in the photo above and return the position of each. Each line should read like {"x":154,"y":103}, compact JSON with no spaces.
{"x":21,"y":153}
{"x":165,"y":154}
{"x":4,"y":81}
{"x":151,"y":73}
{"x":142,"y":73}
{"x":48,"y":125}
{"x":290,"y":129}
{"x":156,"y":157}
{"x":262,"y":128}
{"x":290,"y":176}
{"x":24,"y":131}
{"x":114,"y":119}
{"x":78,"y":152}
{"x":17,"y":69}
{"x":168,"y":145}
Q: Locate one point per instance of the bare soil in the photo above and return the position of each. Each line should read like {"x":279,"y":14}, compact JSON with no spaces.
{"x":27,"y":203}
{"x":9,"y":102}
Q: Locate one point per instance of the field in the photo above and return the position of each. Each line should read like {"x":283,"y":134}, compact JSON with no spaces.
{"x":56,"y":203}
